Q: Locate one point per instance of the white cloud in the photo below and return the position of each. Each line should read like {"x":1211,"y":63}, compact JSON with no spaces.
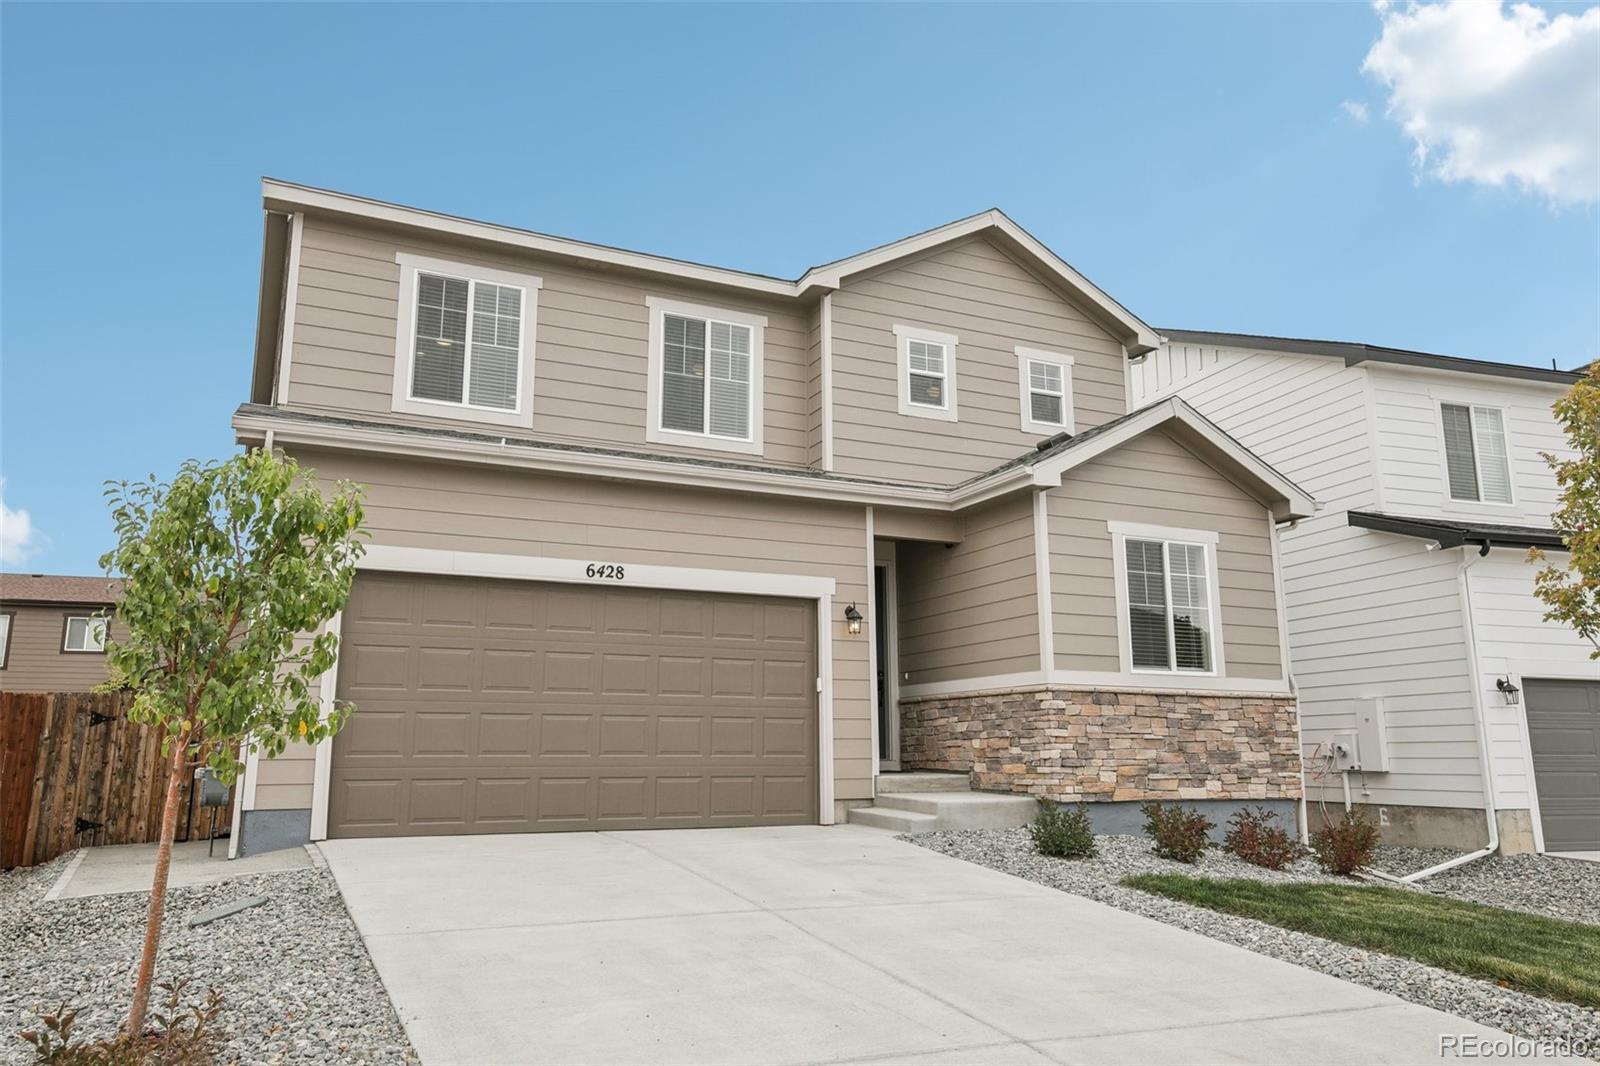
{"x":1355,"y":109}
{"x":18,"y":539}
{"x":1496,"y":95}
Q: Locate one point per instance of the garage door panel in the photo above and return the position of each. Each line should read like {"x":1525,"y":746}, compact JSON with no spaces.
{"x":492,"y":706}
{"x":1564,"y":736}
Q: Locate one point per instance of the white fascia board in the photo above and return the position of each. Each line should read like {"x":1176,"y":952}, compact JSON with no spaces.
{"x":299,"y":197}
{"x":1299,"y":503}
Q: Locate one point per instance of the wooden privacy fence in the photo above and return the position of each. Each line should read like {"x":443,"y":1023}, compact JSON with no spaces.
{"x":74,"y":771}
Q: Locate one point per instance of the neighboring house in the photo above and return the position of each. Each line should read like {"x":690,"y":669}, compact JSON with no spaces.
{"x":1421,"y":655}
{"x":657,"y":544}
{"x":52,"y":631}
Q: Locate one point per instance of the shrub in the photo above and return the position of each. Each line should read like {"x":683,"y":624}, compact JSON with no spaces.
{"x":1180,"y":833}
{"x":182,"y":1036}
{"x":1345,"y":846}
{"x":1063,"y":833}
{"x":1254,"y":837}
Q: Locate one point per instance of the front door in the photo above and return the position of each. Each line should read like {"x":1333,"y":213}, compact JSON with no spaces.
{"x":884,"y":645}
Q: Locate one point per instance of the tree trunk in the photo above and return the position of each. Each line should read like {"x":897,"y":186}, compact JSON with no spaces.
{"x":158,"y":890}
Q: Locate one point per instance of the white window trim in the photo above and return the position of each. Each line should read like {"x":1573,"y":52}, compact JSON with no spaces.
{"x":1451,"y":500}
{"x":408,"y":560}
{"x":654,"y":432}
{"x":89,"y":619}
{"x":1206,"y":540}
{"x":1025,"y":388}
{"x":904,"y":335}
{"x":405,"y":342}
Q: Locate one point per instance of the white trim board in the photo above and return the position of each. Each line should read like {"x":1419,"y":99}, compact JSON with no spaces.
{"x":291,"y":296}
{"x":1041,"y":570}
{"x":395,"y":559}
{"x":825,"y":356}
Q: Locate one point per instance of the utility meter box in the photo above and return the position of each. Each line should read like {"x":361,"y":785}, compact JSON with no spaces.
{"x":1342,"y":754}
{"x":1372,"y":741}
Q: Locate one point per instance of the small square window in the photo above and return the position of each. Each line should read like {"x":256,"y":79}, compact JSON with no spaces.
{"x":84,"y":633}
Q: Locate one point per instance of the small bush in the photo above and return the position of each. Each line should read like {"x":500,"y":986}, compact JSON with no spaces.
{"x":181,"y":1037}
{"x":1254,"y":837}
{"x":1180,"y":833}
{"x":1345,"y":846}
{"x":1063,"y":833}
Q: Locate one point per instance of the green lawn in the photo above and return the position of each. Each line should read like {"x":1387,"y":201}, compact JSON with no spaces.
{"x":1544,"y":956}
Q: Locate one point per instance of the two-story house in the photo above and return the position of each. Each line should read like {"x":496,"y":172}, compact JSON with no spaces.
{"x":659,"y":544}
{"x":1432,"y":690}
{"x":53,"y":631}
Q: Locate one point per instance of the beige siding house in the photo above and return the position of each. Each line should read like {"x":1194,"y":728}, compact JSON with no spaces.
{"x":52,"y":632}
{"x":657,"y":544}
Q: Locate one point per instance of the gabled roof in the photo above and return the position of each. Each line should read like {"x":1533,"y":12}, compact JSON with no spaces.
{"x":1118,"y":320}
{"x":1454,"y":532}
{"x":1354,"y":354}
{"x":57,"y":588}
{"x":1061,"y":453}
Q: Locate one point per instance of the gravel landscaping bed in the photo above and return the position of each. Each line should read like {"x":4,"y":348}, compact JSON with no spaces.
{"x":1011,"y":851}
{"x":1538,"y":884}
{"x":298,"y":983}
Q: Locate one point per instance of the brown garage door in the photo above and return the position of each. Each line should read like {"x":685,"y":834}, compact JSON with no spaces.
{"x":491,"y":706}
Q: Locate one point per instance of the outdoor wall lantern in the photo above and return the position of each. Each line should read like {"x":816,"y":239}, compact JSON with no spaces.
{"x":852,"y":619}
{"x":1510,"y":691}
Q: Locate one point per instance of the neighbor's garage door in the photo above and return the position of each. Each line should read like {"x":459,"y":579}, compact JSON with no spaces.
{"x":1564,"y":728}
{"x":491,"y":706}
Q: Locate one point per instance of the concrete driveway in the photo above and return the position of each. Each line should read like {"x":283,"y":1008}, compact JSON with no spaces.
{"x":817,"y":944}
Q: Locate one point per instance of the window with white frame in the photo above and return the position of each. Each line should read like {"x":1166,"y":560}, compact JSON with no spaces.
{"x":927,"y":362}
{"x":84,"y":632}
{"x":1045,"y":380}
{"x":5,"y":637}
{"x":464,"y":348}
{"x":1169,"y":598}
{"x":705,"y":377}
{"x":1477,"y":462}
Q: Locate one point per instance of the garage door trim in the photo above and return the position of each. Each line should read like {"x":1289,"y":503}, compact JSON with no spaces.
{"x":445,"y":563}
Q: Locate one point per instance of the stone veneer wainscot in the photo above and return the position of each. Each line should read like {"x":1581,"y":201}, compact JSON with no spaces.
{"x":1069,"y":744}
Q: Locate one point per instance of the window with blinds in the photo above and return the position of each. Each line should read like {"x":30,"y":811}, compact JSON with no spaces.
{"x":705,"y":377}
{"x":84,"y":633}
{"x":1477,"y":462}
{"x":1047,"y":393}
{"x":468,"y":344}
{"x":1169,"y":605}
{"x":926,"y":375}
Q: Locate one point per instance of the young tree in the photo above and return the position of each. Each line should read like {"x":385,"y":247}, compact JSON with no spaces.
{"x":223,"y":569}
{"x":1572,"y":592}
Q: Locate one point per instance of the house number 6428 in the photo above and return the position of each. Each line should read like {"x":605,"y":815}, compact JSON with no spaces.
{"x":611,"y":571}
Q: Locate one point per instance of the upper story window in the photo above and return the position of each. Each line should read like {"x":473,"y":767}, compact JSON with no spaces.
{"x":83,"y":632}
{"x":5,"y":637}
{"x":1166,"y":580}
{"x":927,"y":372}
{"x":465,"y":342}
{"x":1477,"y":463}
{"x":705,"y":377}
{"x":1045,"y":379}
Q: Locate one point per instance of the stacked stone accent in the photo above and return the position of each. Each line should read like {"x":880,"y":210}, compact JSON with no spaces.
{"x":1070,"y":744}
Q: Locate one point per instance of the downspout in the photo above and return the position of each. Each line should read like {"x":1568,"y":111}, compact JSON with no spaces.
{"x":1485,"y":766}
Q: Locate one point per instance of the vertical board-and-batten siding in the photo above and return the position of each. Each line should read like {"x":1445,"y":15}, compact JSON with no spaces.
{"x":463,"y":508}
{"x":590,"y":352}
{"x":970,"y":610}
{"x":1155,"y":480}
{"x":992,"y":304}
{"x":36,"y":662}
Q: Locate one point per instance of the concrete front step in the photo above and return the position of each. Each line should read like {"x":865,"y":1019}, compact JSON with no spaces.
{"x":923,"y":781}
{"x":928,"y":812}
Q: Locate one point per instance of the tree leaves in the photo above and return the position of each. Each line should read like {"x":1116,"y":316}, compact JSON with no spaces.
{"x":1572,"y":592}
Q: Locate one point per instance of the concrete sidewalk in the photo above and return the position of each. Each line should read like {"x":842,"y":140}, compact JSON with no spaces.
{"x":817,"y":944}
{"x":107,"y":870}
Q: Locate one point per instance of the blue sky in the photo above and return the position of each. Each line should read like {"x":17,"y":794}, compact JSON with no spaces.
{"x":1225,"y":167}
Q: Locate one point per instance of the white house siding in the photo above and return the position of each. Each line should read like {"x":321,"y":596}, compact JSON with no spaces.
{"x":1515,"y":642}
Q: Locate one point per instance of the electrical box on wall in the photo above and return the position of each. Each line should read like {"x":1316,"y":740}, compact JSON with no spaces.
{"x":1372,"y":742}
{"x":1342,"y":752}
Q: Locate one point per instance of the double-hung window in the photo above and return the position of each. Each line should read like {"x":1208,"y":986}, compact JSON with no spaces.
{"x":1045,"y":380}
{"x":83,"y":633}
{"x":705,"y":377}
{"x":1169,"y":600}
{"x":1477,"y":463}
{"x":5,"y":637}
{"x":927,"y":372}
{"x":465,"y":344}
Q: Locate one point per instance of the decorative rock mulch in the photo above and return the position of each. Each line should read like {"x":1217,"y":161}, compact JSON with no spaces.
{"x":297,"y":981}
{"x":1539,"y":884}
{"x":1011,"y":851}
